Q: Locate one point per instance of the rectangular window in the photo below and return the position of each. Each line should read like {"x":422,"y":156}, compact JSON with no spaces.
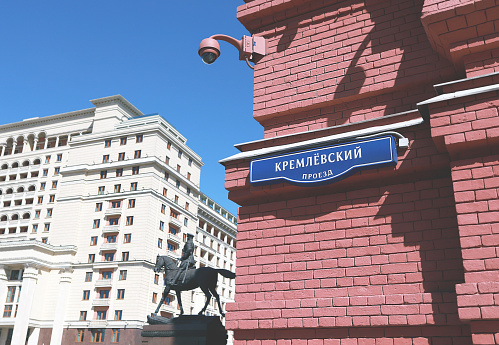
{"x":135,"y":170}
{"x":131,"y":203}
{"x":88,"y":276}
{"x":178,"y":168}
{"x":123,"y":141}
{"x":107,"y":275}
{"x":42,"y":186}
{"x":103,"y":174}
{"x":163,"y":208}
{"x":137,"y":154}
{"x":96,"y":223}
{"x":161,"y":225}
{"x":91,"y":258}
{"x":52,"y":198}
{"x":101,"y":190}
{"x":114,"y":221}
{"x":47,"y":159}
{"x":186,"y":221}
{"x":57,"y":171}
{"x":118,"y":314}
{"x":59,"y":157}
{"x":40,"y":200}
{"x":172,"y":230}
{"x":190,"y":161}
{"x":127,"y":238}
{"x":189,"y":176}
{"x":156,"y":279}
{"x":179,"y":154}
{"x":125,"y":256}
{"x":121,"y":294}
{"x":83,"y":315}
{"x":123,"y":274}
{"x":54,"y":184}
{"x":111,"y":238}
{"x":11,"y":292}
{"x":139,"y":138}
{"x":154,"y":297}
{"x":98,"y":207}
{"x":129,"y":220}
{"x":174,"y":214}
{"x":171,"y":247}
{"x":35,"y":228}
{"x":101,"y":314}
{"x":105,"y":158}
{"x":119,"y":172}
{"x":160,"y":243}
{"x":80,"y":335}
{"x":107,"y":143}
{"x":167,"y":160}
{"x":177,"y":184}
{"x":115,"y":336}
{"x":133,"y":186}
{"x":104,"y":294}
{"x":121,"y":156}
{"x":86,"y":295}
{"x":187,"y":206}
{"x":116,"y":204}
{"x":117,"y":188}
{"x":45,"y":172}
{"x":93,"y":240}
{"x":176,"y":199}
{"x":7,"y":312}
{"x":165,"y":191}
{"x":169,"y":145}
{"x":167,"y":176}
{"x":109,"y":257}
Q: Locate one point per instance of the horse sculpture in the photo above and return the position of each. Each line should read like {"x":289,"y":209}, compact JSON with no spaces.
{"x":204,"y":277}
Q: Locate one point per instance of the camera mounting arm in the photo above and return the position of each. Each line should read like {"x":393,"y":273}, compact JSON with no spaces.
{"x":251,"y":48}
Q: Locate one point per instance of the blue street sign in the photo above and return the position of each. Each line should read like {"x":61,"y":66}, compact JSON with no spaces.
{"x":325,"y":165}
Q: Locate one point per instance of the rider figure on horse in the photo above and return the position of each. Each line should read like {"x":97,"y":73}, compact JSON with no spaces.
{"x":186,"y":260}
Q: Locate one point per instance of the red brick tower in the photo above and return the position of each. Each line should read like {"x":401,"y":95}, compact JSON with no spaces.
{"x":404,"y":254}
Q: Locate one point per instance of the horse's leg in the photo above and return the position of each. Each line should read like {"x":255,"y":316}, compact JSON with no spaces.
{"x":208,"y":297}
{"x":179,"y":301}
{"x":165,"y":293}
{"x":213,"y":290}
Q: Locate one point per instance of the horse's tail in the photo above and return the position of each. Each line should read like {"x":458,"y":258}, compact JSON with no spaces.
{"x":226,"y":273}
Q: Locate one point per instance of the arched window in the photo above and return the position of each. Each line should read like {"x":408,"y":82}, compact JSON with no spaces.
{"x":15,"y":216}
{"x":31,"y":188}
{"x":4,"y":166}
{"x":20,"y":189}
{"x":10,"y":191}
{"x":26,"y":215}
{"x":15,"y":165}
{"x":36,"y":161}
{"x":25,"y":163}
{"x":3,"y":218}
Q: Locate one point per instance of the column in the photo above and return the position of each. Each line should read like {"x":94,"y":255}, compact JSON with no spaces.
{"x":60,"y":308}
{"x":35,"y":142}
{"x":57,"y":141}
{"x":3,"y":149}
{"x":3,"y":284}
{"x":25,"y":145}
{"x":30,"y":277}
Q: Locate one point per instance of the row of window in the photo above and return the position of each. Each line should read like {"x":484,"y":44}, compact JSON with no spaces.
{"x":98,"y":335}
{"x":26,"y":163}
{"x":121,"y":156}
{"x":125,"y":256}
{"x":117,"y":188}
{"x":119,"y":172}
{"x":115,"y":204}
{"x":123,"y":140}
{"x":101,"y":315}
{"x":104,"y":294}
{"x":105,"y":275}
{"x":22,"y":176}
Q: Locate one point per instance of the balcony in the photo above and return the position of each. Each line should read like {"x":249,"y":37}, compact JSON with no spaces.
{"x":109,"y":246}
{"x":103,"y":283}
{"x":97,"y":324}
{"x":175,"y":222}
{"x":174,"y":238}
{"x":113,"y":211}
{"x":110,"y":228}
{"x":100,"y":302}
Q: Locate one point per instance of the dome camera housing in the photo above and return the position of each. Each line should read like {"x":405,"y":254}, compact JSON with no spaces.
{"x":209,"y":50}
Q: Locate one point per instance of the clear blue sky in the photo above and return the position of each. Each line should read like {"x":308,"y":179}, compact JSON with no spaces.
{"x":55,"y":56}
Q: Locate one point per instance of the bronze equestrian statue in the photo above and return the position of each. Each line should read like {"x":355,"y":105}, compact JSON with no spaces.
{"x":187,"y":277}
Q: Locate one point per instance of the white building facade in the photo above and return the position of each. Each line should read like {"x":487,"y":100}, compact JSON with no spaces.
{"x":88,"y":200}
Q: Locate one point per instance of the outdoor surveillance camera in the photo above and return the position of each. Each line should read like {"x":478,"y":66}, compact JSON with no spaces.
{"x":209,"y":50}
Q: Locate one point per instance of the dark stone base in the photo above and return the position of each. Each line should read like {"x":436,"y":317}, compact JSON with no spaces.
{"x":185,"y":330}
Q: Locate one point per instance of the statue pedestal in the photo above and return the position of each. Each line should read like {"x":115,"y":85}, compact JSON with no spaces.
{"x":184,"y":330}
